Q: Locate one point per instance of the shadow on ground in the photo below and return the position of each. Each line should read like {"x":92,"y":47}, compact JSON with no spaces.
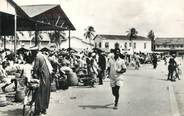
{"x":107,"y":106}
{"x":13,"y":112}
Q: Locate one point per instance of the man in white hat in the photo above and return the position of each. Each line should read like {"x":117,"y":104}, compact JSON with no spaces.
{"x":42,"y":70}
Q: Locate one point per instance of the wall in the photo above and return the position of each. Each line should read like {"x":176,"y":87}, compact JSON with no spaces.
{"x":139,"y":44}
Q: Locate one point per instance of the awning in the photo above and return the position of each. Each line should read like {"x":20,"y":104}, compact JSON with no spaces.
{"x":49,"y":14}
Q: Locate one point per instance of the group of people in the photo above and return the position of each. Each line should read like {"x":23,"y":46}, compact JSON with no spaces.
{"x":34,"y":66}
{"x":98,"y":64}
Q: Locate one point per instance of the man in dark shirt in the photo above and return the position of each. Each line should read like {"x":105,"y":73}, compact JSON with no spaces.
{"x":102,"y":66}
{"x":171,"y":68}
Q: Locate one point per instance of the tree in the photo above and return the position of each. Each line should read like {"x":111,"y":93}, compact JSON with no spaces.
{"x":132,"y":34}
{"x":151,"y":36}
{"x":56,"y":37}
{"x":89,"y":34}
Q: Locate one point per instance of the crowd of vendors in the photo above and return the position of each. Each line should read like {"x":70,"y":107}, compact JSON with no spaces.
{"x":65,"y":68}
{"x":92,"y":63}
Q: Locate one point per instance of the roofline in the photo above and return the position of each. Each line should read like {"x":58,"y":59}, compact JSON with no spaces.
{"x":54,"y":6}
{"x":67,"y":18}
{"x":169,"y":38}
{"x":40,"y":5}
{"x":82,"y":40}
{"x":17,"y":7}
{"x":120,"y":36}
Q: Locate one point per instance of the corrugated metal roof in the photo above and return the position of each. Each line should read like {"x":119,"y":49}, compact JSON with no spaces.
{"x":34,"y":10}
{"x":119,"y":37}
{"x":169,"y":40}
{"x":50,"y":14}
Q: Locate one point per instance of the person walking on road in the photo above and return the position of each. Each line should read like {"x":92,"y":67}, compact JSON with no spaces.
{"x":102,"y":67}
{"x":117,"y":67}
{"x":154,"y":61}
{"x":42,"y":70}
{"x":171,"y":68}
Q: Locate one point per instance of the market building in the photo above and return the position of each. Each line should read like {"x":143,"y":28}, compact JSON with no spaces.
{"x":169,"y":45}
{"x":15,"y":18}
{"x":107,"y":42}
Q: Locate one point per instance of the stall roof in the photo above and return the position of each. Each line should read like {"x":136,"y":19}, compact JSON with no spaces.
{"x":18,"y":9}
{"x":49,"y":14}
{"x":41,"y":18}
{"x":27,"y":24}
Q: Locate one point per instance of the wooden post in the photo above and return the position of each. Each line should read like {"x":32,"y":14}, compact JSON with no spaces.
{"x":15,"y":39}
{"x":69,"y":46}
{"x":4,"y":43}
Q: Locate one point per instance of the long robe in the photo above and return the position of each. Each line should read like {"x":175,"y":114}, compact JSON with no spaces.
{"x":41,"y":72}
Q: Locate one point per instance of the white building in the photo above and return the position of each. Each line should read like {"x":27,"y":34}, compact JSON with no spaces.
{"x":107,"y":42}
{"x":76,"y":43}
{"x":169,"y":44}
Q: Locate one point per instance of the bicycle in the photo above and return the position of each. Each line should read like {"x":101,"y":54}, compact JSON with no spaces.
{"x":30,"y":96}
{"x":177,"y":72}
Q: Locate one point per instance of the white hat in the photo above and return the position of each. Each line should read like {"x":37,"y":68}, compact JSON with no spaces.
{"x":93,"y":54}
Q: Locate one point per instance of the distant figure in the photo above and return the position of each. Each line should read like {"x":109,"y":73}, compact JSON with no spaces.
{"x":154,"y":61}
{"x":171,"y":68}
{"x":102,"y":67}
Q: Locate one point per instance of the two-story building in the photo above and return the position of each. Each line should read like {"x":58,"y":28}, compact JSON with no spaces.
{"x":168,"y":44}
{"x":107,"y":42}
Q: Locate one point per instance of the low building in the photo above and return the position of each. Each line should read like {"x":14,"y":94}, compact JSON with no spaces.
{"x":107,"y":42}
{"x":25,"y":40}
{"x":168,"y":44}
{"x":76,"y":43}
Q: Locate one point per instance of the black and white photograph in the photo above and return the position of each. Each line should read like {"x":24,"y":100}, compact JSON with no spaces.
{"x":91,"y":58}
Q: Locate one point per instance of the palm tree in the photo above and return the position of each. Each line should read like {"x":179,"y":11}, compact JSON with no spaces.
{"x":151,"y":36}
{"x":132,"y":34}
{"x":57,"y":37}
{"x":89,"y":34}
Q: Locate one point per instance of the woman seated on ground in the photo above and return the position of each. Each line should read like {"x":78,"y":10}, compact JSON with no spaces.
{"x":7,"y":79}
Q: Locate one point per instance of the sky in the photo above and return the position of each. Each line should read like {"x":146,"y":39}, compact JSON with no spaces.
{"x":164,"y":17}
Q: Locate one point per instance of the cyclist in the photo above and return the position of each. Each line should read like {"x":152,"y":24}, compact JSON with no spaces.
{"x":171,"y":67}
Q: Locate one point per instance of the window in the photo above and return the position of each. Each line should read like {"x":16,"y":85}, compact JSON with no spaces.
{"x":95,"y":44}
{"x":130,"y":44}
{"x":145,"y":46}
{"x":106,"y":44}
{"x":125,"y":45}
{"x":99,"y":44}
{"x":134,"y":45}
{"x":173,"y":46}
